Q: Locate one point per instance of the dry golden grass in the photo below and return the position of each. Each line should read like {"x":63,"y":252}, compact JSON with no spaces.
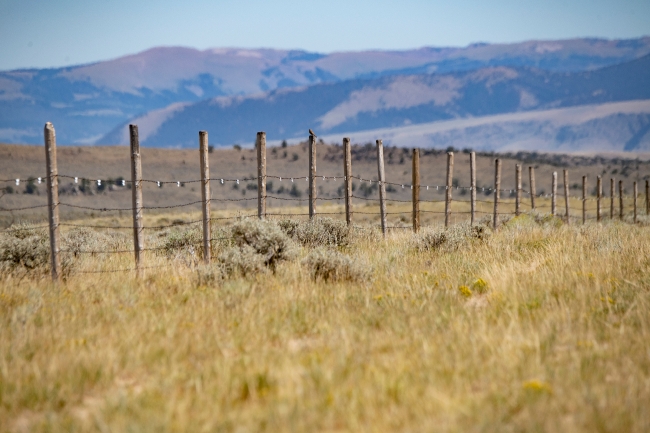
{"x":540,"y":327}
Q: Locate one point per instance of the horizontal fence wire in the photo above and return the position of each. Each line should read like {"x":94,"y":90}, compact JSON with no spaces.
{"x":2,"y":209}
{"x":143,"y":249}
{"x":18,"y":229}
{"x":110,"y":271}
{"x":123,"y":182}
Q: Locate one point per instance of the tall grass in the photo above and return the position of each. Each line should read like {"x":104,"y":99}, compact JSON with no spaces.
{"x":536,"y":327}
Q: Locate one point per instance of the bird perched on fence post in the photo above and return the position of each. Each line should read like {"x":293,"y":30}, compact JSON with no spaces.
{"x":312,"y":133}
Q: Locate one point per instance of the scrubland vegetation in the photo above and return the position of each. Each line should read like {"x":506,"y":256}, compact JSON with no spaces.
{"x":295,"y":326}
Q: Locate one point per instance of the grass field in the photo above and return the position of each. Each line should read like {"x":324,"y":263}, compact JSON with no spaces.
{"x":538,"y":326}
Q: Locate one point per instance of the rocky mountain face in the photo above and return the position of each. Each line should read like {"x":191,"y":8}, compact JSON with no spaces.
{"x":346,"y":91}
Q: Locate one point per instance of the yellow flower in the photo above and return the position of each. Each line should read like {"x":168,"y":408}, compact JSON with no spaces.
{"x":538,"y":386}
{"x":465,"y":291}
{"x":480,"y":285}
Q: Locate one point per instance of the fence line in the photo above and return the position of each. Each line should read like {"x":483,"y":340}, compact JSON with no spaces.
{"x":417,"y":188}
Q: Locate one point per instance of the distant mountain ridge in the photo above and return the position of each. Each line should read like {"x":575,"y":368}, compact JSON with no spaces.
{"x":390,"y":101}
{"x":86,"y":102}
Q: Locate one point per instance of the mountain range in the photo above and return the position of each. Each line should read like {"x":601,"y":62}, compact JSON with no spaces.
{"x":171,"y":93}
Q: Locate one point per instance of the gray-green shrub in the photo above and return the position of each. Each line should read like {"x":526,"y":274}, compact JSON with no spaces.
{"x":84,"y":239}
{"x":24,"y":248}
{"x":331,"y":265}
{"x":452,"y":238}
{"x":318,"y":232}
{"x":241,"y":261}
{"x":263,"y":238}
{"x":176,"y":240}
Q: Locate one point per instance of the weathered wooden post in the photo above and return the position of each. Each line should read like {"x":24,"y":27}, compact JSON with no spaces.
{"x":52,"y":198}
{"x":136,"y":197}
{"x":472,"y":185}
{"x":382,"y":185}
{"x":533,"y":191}
{"x":612,"y":197}
{"x":416,"y":190}
{"x":260,"y":145}
{"x":312,"y":176}
{"x":566,"y":196}
{"x":584,"y":199}
{"x":347,"y":167}
{"x":635,"y":194}
{"x":518,"y":192}
{"x":497,"y":191}
{"x":449,"y":186}
{"x":554,"y":194}
{"x":205,"y":194}
{"x":599,"y":196}
{"x":620,"y":199}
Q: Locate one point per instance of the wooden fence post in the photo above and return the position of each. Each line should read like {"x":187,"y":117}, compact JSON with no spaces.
{"x":584,"y":199}
{"x":347,"y":168}
{"x":382,"y":185}
{"x":599,"y":195}
{"x":205,"y":194}
{"x":533,"y":191}
{"x":472,"y":183}
{"x":136,"y":197}
{"x":497,"y":192}
{"x":449,"y":186}
{"x":647,"y":197}
{"x":620,"y":199}
{"x":416,"y":190}
{"x":566,"y":196}
{"x":635,"y":194}
{"x":52,"y":198}
{"x":518,"y":192}
{"x":312,"y":176}
{"x":260,"y":144}
{"x":554,"y":194}
{"x":611,"y":196}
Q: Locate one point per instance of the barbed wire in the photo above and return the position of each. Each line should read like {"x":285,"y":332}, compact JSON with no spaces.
{"x":18,"y":229}
{"x":22,"y":208}
{"x":180,"y":183}
{"x":159,"y":248}
{"x":237,"y":181}
{"x":109,"y":271}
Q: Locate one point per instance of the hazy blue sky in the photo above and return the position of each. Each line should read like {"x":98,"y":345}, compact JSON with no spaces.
{"x":47,"y":33}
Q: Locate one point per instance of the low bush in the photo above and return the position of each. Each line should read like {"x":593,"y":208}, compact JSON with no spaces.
{"x":241,"y":261}
{"x":177,"y":240}
{"x":256,"y":245}
{"x":318,"y":232}
{"x":531,"y":217}
{"x":83,"y":239}
{"x":330,"y":265}
{"x":452,"y":238}
{"x":24,"y":248}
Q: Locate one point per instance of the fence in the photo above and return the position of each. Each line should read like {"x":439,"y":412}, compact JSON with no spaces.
{"x":383,"y":186}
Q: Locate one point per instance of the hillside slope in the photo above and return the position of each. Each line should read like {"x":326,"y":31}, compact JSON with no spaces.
{"x":88,"y":101}
{"x":394,"y":101}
